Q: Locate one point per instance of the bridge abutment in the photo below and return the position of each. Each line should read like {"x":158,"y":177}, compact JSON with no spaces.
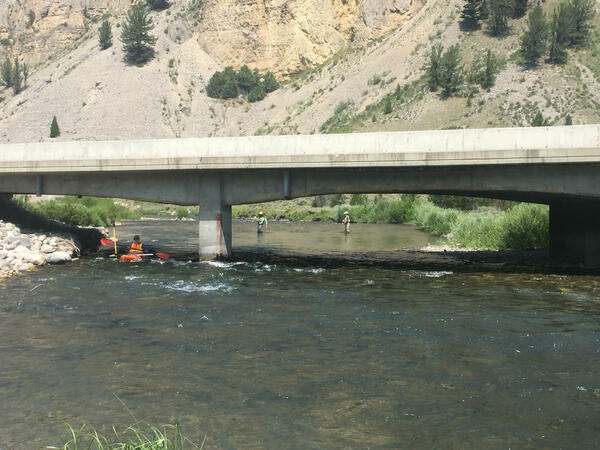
{"x":214,"y":219}
{"x":575,"y":232}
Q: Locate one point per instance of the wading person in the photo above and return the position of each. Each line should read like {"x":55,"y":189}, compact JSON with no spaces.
{"x":136,"y":246}
{"x":261,"y":222}
{"x":346,"y":222}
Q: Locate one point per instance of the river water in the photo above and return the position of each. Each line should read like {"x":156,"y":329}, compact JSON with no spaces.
{"x":256,"y":355}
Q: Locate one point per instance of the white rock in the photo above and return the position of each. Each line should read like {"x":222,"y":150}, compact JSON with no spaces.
{"x":3,"y":254}
{"x":35,"y":258}
{"x":25,"y":266}
{"x":58,"y":257}
{"x":48,"y":248}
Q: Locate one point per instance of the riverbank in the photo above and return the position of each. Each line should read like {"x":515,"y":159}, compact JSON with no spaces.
{"x":20,"y":252}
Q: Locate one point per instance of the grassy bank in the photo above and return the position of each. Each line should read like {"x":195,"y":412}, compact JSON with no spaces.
{"x":136,"y":437}
{"x":85,"y":211}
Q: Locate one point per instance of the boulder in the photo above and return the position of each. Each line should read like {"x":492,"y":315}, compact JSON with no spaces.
{"x":48,"y":248}
{"x":58,"y":257}
{"x":3,"y":254}
{"x":35,"y":258}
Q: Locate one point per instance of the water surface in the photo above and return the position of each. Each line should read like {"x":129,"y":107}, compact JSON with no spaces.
{"x":252,"y":355}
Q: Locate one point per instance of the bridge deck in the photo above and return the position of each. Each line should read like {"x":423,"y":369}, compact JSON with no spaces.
{"x":564,"y":144}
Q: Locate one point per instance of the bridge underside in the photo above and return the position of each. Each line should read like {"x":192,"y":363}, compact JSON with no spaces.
{"x":571,"y":190}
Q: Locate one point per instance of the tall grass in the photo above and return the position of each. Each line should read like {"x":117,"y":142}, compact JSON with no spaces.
{"x":85,"y":211}
{"x":136,"y":437}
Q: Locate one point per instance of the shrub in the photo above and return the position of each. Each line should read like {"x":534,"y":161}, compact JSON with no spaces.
{"x":358,"y":199}
{"x":158,"y":5}
{"x":434,"y":219}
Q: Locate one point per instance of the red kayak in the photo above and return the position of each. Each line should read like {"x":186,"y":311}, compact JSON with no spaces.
{"x":130,"y":258}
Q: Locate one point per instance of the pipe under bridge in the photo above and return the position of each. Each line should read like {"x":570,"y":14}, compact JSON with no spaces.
{"x":558,"y":166}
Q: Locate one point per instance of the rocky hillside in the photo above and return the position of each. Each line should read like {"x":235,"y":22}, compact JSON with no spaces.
{"x":339,"y":60}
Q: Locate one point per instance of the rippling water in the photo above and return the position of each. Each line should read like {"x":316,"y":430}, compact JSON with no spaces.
{"x":251,"y":355}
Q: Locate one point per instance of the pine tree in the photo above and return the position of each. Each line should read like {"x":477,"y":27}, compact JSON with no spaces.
{"x":246,"y":79}
{"x":257,"y":93}
{"x":387,"y":108}
{"x":489,"y":73}
{"x":471,"y":13}
{"x":105,"y":35}
{"x":54,"y":130}
{"x":561,"y":31}
{"x":158,"y":4}
{"x":138,"y":44}
{"x":432,"y":69}
{"x":7,"y":73}
{"x":500,"y":10}
{"x":484,"y":10}
{"x":568,"y":120}
{"x":539,"y":120}
{"x":533,"y":41}
{"x":269,"y":82}
{"x":520,"y":8}
{"x":450,"y":70}
{"x":581,"y":12}
{"x":17,"y":77}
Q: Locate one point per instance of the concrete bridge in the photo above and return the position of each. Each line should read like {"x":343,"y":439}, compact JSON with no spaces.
{"x":558,"y":166}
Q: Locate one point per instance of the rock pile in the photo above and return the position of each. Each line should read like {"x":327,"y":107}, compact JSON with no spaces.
{"x":20,"y":252}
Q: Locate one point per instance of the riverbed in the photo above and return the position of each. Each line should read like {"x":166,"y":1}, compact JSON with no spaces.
{"x":248,"y":354}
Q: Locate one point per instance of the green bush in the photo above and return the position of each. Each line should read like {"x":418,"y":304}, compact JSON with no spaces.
{"x":435,"y":220}
{"x":87,"y":211}
{"x":358,"y":199}
{"x":525,"y":226}
{"x":229,"y":84}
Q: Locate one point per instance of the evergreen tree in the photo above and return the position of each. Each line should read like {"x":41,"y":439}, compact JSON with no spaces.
{"x":7,"y":73}
{"x":520,"y":8}
{"x":432,"y":69}
{"x":138,"y":44}
{"x":257,"y":93}
{"x":450,"y":70}
{"x":387,"y":108}
{"x":581,"y":13}
{"x":490,"y":71}
{"x":568,"y":120}
{"x":471,"y":13}
{"x":533,"y":41}
{"x":269,"y":82}
{"x":484,"y":10}
{"x":500,"y":10}
{"x":158,"y":5}
{"x":539,"y":120}
{"x":54,"y":130}
{"x":105,"y":35}
{"x":17,"y":77}
{"x":246,"y":79}
{"x":560,"y":33}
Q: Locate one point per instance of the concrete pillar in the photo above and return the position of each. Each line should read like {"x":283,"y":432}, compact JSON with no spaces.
{"x":575,"y":232}
{"x":214,"y":219}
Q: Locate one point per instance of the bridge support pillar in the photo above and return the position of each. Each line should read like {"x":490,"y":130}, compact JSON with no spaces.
{"x":575,"y":232}
{"x":214,"y":220}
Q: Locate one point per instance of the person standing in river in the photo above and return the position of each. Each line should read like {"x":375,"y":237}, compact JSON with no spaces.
{"x":346,"y":222}
{"x":261,"y":222}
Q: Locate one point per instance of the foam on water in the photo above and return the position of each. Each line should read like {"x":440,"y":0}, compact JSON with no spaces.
{"x":185,"y":286}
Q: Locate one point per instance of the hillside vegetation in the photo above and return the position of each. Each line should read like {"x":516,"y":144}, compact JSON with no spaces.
{"x":343,"y":66}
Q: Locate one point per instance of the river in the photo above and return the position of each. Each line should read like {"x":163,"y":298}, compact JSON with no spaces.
{"x":253,"y":355}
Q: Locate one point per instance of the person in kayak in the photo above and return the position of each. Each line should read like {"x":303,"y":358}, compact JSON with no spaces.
{"x":136,"y":246}
{"x":261,"y":222}
{"x":346,"y":222}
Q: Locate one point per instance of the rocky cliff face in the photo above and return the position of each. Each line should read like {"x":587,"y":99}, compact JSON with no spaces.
{"x":285,"y":36}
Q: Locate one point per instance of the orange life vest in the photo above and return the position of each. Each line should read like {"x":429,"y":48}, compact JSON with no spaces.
{"x":136,"y":248}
